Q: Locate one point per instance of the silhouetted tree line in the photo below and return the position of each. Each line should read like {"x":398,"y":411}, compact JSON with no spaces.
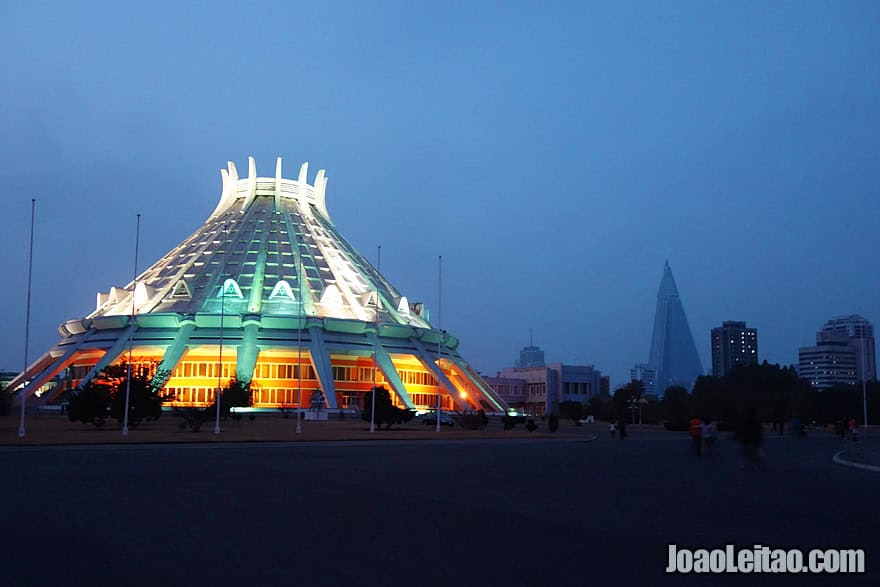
{"x":776,"y":392}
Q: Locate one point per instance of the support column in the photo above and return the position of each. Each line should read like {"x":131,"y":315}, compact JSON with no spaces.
{"x":321,"y":364}
{"x":427,"y":360}
{"x":114,"y":351}
{"x":489,"y":393}
{"x":44,"y":374}
{"x":246,"y":357}
{"x":383,"y":360}
{"x":173,"y":353}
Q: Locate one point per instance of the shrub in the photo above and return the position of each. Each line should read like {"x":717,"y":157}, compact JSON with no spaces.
{"x":472,"y":420}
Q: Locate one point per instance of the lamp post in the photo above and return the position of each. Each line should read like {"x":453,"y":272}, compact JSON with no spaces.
{"x":299,"y":366}
{"x":220,"y":359}
{"x":137,"y":240}
{"x":375,"y":347}
{"x":440,"y":339}
{"x":27,"y":322}
{"x":864,"y":377}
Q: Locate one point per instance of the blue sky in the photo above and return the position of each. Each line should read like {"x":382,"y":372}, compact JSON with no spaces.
{"x":555,"y":154}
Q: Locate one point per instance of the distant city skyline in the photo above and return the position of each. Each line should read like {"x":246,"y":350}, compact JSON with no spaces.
{"x":554,"y":158}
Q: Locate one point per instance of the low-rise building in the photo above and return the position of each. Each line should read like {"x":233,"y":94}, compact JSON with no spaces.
{"x":535,"y":388}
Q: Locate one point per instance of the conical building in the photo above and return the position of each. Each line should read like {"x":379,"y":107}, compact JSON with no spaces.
{"x":269,"y":292}
{"x":674,"y":356}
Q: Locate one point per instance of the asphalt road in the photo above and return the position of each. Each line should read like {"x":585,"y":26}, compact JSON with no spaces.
{"x":421,"y":513}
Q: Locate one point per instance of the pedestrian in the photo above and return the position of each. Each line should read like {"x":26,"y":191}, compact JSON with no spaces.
{"x":612,"y":430}
{"x":851,"y":427}
{"x":750,"y":435}
{"x":708,"y":434}
{"x":695,"y":430}
{"x":622,"y":427}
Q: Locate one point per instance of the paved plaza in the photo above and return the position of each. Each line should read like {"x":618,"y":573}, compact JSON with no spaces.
{"x":399,"y":512}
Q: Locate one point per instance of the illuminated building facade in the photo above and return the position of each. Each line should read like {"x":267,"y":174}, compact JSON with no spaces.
{"x":268,"y":291}
{"x":733,"y":343}
{"x":843,"y":355}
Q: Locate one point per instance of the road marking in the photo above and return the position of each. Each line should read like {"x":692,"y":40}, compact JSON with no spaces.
{"x":841,"y":461}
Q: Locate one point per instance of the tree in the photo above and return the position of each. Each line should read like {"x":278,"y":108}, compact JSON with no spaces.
{"x":676,"y":403}
{"x":144,"y":402}
{"x":236,"y":394}
{"x":103,"y":397}
{"x":473,"y":420}
{"x":92,"y":404}
{"x":625,"y":396}
{"x":5,"y":401}
{"x":386,"y":411}
{"x":573,"y":411}
{"x":600,"y":408}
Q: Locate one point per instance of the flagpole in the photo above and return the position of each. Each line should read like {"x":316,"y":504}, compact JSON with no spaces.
{"x":137,"y":240}
{"x":220,"y":366}
{"x":302,"y":276}
{"x":375,"y":344}
{"x":299,"y":367}
{"x":440,"y":339}
{"x":864,"y":376}
{"x":27,"y":322}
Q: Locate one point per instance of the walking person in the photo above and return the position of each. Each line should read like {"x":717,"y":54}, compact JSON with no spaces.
{"x":851,"y":430}
{"x":709,"y":436}
{"x":750,"y":435}
{"x":612,"y":430}
{"x":695,"y":430}
{"x":622,"y":427}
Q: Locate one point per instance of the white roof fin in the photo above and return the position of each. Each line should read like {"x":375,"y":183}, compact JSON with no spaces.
{"x":251,"y":184}
{"x":278,"y":185}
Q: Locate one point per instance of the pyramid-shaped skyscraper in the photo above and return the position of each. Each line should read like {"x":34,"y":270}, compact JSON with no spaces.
{"x":267,"y":291}
{"x":674,"y":356}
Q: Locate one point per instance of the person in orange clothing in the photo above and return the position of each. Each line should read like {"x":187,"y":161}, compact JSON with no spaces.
{"x":695,"y":428}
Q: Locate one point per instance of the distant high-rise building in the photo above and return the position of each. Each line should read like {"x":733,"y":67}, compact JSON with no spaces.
{"x":733,"y":344}
{"x":843,"y":355}
{"x":644,"y":373}
{"x":860,"y":335}
{"x":530,"y":356}
{"x":674,"y":356}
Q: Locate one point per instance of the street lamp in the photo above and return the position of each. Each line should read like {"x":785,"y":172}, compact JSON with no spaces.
{"x":375,"y":347}
{"x":864,"y":376}
{"x":442,"y":332}
{"x":137,"y":239}
{"x":27,"y":323}
{"x":220,"y":366}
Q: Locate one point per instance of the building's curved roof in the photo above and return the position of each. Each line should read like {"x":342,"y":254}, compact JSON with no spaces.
{"x":268,"y":248}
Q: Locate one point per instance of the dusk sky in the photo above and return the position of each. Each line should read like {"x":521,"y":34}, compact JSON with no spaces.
{"x":554,"y":153}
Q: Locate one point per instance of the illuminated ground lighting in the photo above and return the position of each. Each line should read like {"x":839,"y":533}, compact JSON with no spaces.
{"x":270,"y":255}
